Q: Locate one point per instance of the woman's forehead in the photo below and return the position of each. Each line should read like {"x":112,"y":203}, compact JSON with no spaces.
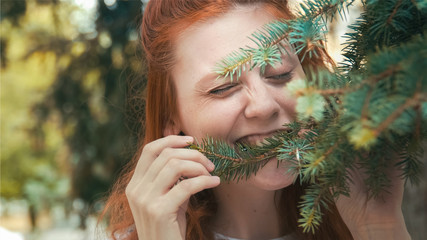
{"x":202,"y":45}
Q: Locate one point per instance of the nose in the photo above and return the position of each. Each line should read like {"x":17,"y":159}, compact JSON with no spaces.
{"x":261,"y":101}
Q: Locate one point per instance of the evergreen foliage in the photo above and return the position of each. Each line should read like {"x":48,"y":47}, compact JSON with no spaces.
{"x":67,"y":127}
{"x":364,"y":114}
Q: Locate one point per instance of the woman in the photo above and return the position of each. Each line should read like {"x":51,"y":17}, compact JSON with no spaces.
{"x":183,"y":40}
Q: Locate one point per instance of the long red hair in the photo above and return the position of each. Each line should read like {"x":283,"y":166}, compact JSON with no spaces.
{"x":163,"y":20}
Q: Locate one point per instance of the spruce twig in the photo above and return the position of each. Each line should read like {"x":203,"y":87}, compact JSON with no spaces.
{"x":375,"y":105}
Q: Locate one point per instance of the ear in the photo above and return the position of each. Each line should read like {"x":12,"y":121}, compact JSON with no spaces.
{"x":172,"y":128}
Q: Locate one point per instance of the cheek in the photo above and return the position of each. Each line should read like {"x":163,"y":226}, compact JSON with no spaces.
{"x":287,"y":102}
{"x":211,"y":118}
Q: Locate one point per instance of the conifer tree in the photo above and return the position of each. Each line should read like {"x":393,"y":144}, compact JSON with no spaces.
{"x":364,"y":113}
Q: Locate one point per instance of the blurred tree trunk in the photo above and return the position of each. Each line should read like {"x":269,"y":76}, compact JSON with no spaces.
{"x":32,"y":212}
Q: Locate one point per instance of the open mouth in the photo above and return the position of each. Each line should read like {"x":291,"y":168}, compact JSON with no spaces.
{"x":259,"y":139}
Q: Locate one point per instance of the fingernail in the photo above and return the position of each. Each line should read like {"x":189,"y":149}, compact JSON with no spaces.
{"x":216,"y":179}
{"x":189,"y":139}
{"x":211,"y":166}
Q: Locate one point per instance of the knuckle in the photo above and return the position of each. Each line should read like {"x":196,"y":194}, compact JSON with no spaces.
{"x":186,"y":186}
{"x":133,"y":196}
{"x":128,"y":191}
{"x":167,"y":152}
{"x":152,"y":208}
{"x":149,"y":147}
{"x":136,"y":193}
{"x":174,"y":164}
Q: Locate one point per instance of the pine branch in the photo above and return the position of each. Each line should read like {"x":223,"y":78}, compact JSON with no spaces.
{"x":410,"y":162}
{"x":410,"y":103}
{"x":239,"y":161}
{"x":316,"y":165}
{"x":324,"y":9}
{"x":373,"y":108}
{"x":304,"y":33}
{"x":270,"y":46}
{"x":313,"y":201}
{"x":390,"y":18}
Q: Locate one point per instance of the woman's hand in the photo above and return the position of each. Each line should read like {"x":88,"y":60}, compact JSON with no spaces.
{"x":157,"y":198}
{"x":376,"y":218}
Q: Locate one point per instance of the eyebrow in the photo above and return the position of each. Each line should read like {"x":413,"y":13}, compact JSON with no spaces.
{"x":207,"y":80}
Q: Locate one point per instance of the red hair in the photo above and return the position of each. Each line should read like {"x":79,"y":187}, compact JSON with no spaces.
{"x":163,"y":20}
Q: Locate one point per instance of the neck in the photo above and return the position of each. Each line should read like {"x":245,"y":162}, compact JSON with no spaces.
{"x":247,"y":212}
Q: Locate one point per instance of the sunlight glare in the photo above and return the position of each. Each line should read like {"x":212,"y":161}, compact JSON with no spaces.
{"x":88,"y":5}
{"x":109,"y":3}
{"x":84,"y":17}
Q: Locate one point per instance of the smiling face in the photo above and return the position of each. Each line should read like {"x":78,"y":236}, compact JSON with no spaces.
{"x":245,"y":111}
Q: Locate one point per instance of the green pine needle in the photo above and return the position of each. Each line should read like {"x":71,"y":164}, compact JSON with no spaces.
{"x":369,"y":111}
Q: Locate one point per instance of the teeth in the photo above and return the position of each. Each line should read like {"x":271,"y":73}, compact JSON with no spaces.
{"x":257,"y":140}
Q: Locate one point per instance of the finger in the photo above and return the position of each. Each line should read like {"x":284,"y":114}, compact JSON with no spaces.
{"x":153,"y":149}
{"x":172,"y":153}
{"x":184,"y":189}
{"x":174,"y":170}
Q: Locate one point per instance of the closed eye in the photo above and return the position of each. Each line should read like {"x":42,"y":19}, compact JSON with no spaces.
{"x":222,"y":90}
{"x":284,"y":76}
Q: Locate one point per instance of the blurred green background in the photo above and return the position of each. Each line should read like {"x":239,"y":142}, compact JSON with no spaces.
{"x":67,"y":126}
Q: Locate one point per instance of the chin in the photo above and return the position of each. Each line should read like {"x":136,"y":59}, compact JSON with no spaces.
{"x":271,"y":177}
